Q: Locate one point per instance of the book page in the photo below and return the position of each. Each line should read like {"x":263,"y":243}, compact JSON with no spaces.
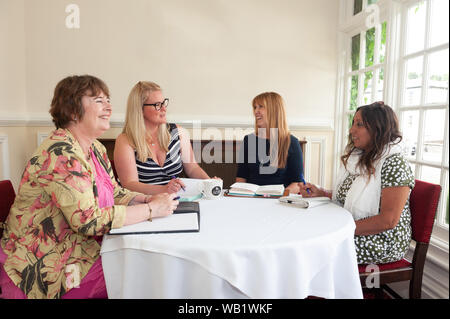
{"x":244,"y":186}
{"x":271,"y":189}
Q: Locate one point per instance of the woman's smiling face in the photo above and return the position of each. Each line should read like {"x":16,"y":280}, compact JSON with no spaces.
{"x":359,"y":133}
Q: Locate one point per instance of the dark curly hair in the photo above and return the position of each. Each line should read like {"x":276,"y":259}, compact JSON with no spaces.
{"x":66,"y":103}
{"x":382,"y":124}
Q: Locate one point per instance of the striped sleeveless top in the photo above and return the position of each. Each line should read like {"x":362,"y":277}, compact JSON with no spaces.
{"x":150,"y":172}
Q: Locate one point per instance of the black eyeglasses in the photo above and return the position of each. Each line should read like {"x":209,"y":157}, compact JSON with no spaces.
{"x":159,"y":105}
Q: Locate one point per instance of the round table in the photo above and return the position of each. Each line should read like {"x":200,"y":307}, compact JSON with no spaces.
{"x":246,"y":248}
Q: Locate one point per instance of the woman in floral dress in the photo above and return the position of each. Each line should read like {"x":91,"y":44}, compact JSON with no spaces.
{"x":67,"y":199}
{"x":374,"y":184}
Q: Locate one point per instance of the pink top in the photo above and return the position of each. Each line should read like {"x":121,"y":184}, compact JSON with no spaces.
{"x":105,"y":187}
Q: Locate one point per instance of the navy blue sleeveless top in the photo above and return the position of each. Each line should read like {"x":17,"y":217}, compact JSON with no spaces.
{"x":150,"y":172}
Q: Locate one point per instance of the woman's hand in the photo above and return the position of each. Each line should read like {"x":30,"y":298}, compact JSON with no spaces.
{"x":310,"y":190}
{"x":174,"y":186}
{"x":163,"y":204}
{"x":293,"y":188}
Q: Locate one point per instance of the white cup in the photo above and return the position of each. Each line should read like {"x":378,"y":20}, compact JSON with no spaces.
{"x":211,"y":188}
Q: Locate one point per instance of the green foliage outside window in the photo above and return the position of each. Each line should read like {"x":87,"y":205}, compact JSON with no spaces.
{"x":357,"y":6}
{"x":383,"y":42}
{"x":370,"y":55}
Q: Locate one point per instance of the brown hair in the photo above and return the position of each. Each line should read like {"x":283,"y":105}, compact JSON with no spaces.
{"x":66,"y":103}
{"x":382,"y":124}
{"x":276,"y":118}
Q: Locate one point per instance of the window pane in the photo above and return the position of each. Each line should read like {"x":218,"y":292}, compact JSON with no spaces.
{"x":430,"y":174}
{"x":380,"y":85}
{"x":439,"y":22}
{"x":356,"y":42}
{"x":368,"y":87}
{"x":413,"y":87}
{"x":433,"y":141}
{"x":438,"y":77}
{"x":370,"y":41}
{"x":410,"y":129}
{"x":357,"y":6}
{"x":416,"y":28}
{"x":383,"y":43}
{"x":369,"y":2}
{"x":413,"y":168}
{"x":354,"y":93}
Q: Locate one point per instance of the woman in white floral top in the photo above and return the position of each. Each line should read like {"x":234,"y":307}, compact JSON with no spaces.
{"x":374,"y":184}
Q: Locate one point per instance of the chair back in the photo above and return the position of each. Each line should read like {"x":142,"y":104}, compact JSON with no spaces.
{"x":423,"y":202}
{"x":7,"y":196}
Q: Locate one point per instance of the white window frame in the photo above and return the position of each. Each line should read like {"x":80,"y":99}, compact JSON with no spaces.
{"x":440,"y":230}
{"x":392,"y":11}
{"x":351,"y":25}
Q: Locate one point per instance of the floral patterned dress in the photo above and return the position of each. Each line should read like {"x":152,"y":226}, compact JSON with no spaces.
{"x":390,"y":245}
{"x":56,"y":215}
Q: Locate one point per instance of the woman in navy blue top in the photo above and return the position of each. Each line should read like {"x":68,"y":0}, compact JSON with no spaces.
{"x":271,"y":155}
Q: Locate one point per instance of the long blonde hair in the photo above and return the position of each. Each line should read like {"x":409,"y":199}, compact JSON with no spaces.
{"x":134,"y":127}
{"x":276,"y":118}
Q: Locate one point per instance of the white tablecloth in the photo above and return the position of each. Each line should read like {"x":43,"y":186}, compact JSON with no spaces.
{"x":246,"y":248}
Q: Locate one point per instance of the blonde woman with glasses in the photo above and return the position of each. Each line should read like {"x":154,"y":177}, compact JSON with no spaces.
{"x":150,"y":153}
{"x":270,"y":155}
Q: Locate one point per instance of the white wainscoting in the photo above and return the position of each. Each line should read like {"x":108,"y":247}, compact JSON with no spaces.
{"x":41,"y":137}
{"x":4,"y":147}
{"x":321,"y":158}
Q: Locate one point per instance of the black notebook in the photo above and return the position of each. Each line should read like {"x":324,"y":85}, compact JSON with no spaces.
{"x":185,"y":219}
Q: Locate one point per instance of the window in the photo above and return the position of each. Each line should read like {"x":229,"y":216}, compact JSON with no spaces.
{"x":365,"y":70}
{"x":423,"y":101}
{"x":359,"y":4}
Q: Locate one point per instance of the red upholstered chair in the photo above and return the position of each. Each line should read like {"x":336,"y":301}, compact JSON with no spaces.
{"x":423,"y":203}
{"x":7,"y":196}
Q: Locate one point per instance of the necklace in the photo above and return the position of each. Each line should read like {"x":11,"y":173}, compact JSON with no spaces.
{"x":151,"y":141}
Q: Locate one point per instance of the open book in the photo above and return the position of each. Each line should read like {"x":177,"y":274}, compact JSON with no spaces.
{"x":185,"y":219}
{"x":248,"y":189}
{"x":309,"y":202}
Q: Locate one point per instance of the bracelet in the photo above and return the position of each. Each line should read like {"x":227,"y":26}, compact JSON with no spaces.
{"x":150,"y":210}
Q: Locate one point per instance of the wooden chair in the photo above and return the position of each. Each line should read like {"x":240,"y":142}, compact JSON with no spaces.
{"x":423,"y":202}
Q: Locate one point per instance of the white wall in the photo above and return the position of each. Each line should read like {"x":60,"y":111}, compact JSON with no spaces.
{"x":210,"y":56}
{"x":12,"y":57}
